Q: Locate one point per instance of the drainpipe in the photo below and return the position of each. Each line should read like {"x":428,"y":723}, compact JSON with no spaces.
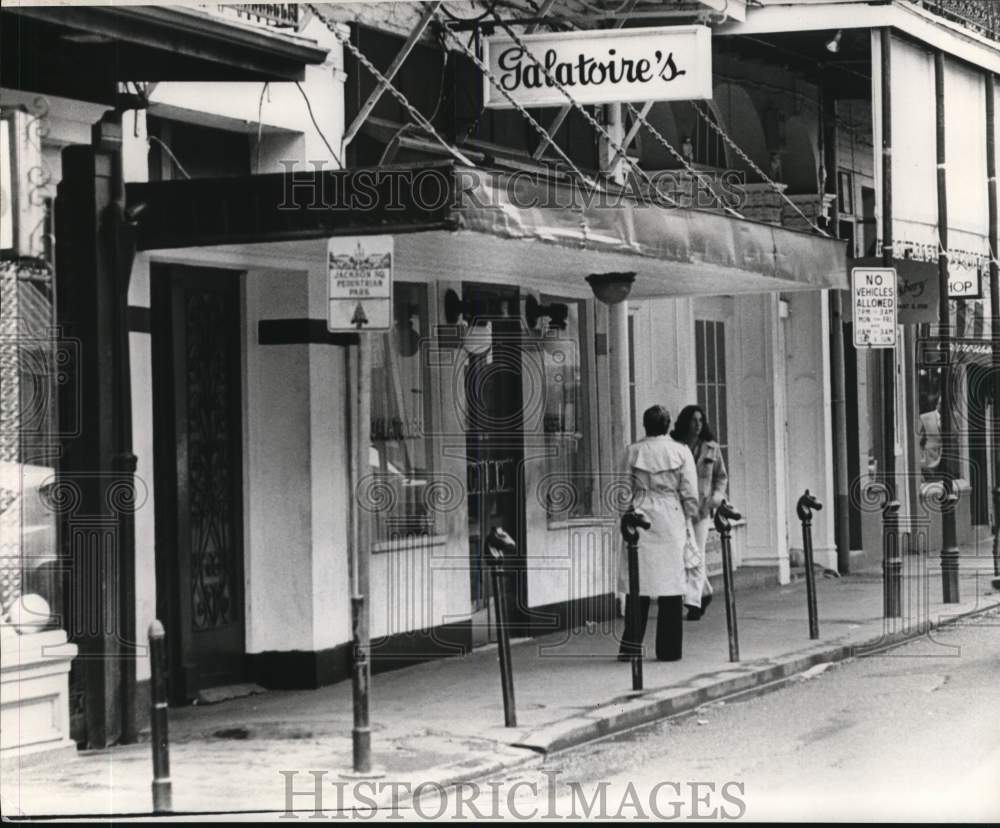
{"x":991,"y":174}
{"x":838,"y":373}
{"x":949,"y":541}
{"x":887,"y":357}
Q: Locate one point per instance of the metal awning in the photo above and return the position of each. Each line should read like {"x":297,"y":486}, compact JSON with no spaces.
{"x":82,"y":51}
{"x":507,"y":226}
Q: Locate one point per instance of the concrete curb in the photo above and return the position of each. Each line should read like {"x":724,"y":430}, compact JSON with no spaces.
{"x":642,"y":707}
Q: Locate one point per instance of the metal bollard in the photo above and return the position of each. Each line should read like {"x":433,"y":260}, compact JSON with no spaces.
{"x":723,"y":515}
{"x":892,"y":562}
{"x":804,"y":508}
{"x":499,"y":544}
{"x":162,"y":791}
{"x":996,"y":537}
{"x":632,"y":521}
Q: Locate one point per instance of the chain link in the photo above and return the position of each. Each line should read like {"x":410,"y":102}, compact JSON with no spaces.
{"x":767,"y":180}
{"x":659,"y":138}
{"x":534,"y":123}
{"x":654,"y":192}
{"x":392,"y":90}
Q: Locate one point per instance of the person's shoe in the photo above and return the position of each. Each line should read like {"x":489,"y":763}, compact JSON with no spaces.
{"x":694,"y":613}
{"x":705,"y":601}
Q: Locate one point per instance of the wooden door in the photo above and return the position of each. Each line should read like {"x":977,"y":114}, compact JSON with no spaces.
{"x":199,"y":478}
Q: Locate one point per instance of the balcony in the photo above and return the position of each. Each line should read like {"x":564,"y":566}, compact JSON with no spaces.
{"x":981,"y":16}
{"x":286,"y":16}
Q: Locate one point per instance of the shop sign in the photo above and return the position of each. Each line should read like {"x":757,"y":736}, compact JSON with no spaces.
{"x":964,"y":282}
{"x":359,"y":283}
{"x":874,"y":302}
{"x":669,"y":63}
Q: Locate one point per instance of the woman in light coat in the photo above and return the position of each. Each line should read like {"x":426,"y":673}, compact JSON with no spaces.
{"x":665,"y":488}
{"x":693,"y":430}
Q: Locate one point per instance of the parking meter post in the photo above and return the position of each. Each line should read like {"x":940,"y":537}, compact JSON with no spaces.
{"x":723,"y":517}
{"x":632,"y":521}
{"x":499,"y":544}
{"x":162,"y":787}
{"x":804,"y":508}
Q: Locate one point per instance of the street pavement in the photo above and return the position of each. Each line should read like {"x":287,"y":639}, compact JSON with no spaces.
{"x":908,"y":734}
{"x":442,"y":721}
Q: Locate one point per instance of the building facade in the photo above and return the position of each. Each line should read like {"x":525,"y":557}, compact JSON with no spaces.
{"x":505,"y":391}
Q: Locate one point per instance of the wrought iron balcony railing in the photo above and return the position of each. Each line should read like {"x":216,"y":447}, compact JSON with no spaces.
{"x":270,"y":15}
{"x":982,"y":16}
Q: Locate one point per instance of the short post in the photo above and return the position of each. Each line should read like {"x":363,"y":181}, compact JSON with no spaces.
{"x":162,"y":792}
{"x":892,"y":561}
{"x":632,"y":521}
{"x":499,"y":544}
{"x":804,"y":508}
{"x":996,"y":537}
{"x":723,"y":515}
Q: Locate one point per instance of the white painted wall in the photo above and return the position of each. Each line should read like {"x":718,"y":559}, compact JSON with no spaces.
{"x":277,"y":471}
{"x":810,"y":415}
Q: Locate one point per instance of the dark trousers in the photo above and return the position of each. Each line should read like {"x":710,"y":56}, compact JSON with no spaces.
{"x":669,"y":626}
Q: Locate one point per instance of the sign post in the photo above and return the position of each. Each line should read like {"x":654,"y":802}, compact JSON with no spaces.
{"x":875,"y":300}
{"x":359,"y":277}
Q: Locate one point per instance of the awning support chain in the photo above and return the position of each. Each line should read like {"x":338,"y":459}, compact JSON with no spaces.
{"x":593,"y":185}
{"x":619,"y":150}
{"x":564,"y":111}
{"x":392,"y":90}
{"x":764,"y":177}
{"x":660,"y":139}
{"x":390,"y":73}
{"x":587,"y":116}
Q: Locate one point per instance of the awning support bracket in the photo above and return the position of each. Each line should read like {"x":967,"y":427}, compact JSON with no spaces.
{"x":366,"y":108}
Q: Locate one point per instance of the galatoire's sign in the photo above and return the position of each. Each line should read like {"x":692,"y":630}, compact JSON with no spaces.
{"x":359,"y":282}
{"x":671,"y":63}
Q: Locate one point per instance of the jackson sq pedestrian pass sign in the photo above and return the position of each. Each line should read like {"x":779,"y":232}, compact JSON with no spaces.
{"x":359,"y":282}
{"x":670,"y":63}
{"x":875,"y":300}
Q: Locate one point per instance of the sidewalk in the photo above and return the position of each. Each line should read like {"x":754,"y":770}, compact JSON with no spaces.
{"x":442,"y":721}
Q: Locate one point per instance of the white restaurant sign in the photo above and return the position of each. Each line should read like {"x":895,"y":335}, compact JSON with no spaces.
{"x":875,"y":299}
{"x":669,"y":63}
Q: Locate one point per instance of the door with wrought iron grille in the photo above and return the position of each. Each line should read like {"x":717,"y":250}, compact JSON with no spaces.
{"x":495,"y":448}
{"x":199,"y":481}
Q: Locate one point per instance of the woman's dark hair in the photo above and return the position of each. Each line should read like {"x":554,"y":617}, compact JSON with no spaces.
{"x":656,"y":421}
{"x":683,"y":423}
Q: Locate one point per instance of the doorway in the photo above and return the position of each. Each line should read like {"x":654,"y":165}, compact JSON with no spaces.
{"x":494,"y":444}
{"x":197,"y":427}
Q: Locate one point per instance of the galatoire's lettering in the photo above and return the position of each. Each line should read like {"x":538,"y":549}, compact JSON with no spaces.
{"x":519,"y":71}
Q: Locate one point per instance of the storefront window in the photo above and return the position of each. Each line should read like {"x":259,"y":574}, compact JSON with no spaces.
{"x":28,"y":550}
{"x":710,"y":358}
{"x":400,"y":441}
{"x":569,"y":490}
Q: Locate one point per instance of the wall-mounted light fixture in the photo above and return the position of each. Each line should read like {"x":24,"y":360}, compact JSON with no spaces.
{"x":833,"y":44}
{"x":557,"y":313}
{"x":611,"y":288}
{"x":407,"y":340}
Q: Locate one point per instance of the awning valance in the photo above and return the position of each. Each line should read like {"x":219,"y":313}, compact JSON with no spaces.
{"x":517,"y":223}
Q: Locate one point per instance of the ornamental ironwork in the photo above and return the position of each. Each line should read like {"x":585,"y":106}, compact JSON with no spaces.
{"x":982,"y":16}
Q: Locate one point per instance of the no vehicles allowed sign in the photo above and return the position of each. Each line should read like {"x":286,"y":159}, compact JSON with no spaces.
{"x":875,"y":300}
{"x":359,"y":283}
